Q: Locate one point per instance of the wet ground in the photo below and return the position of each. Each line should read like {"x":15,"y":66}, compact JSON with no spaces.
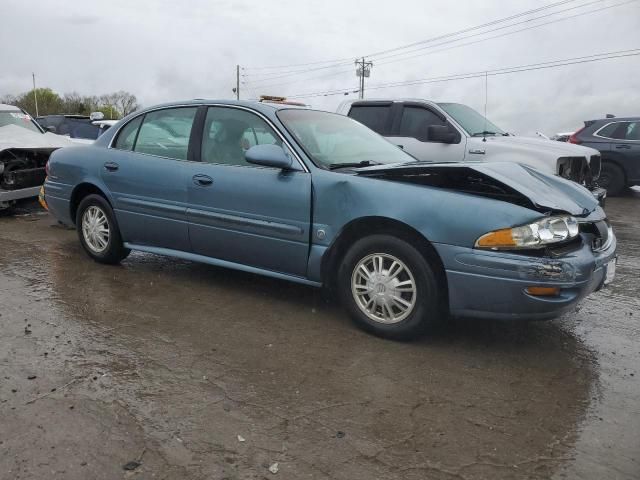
{"x":196,"y":372}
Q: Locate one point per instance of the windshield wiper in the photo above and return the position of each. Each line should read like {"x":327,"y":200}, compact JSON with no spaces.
{"x":482,"y":134}
{"x":364,"y":163}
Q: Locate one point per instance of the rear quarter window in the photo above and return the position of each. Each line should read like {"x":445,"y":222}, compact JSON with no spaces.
{"x":373,"y":116}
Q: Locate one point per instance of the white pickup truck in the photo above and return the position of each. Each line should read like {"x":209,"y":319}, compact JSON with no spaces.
{"x":452,"y":132}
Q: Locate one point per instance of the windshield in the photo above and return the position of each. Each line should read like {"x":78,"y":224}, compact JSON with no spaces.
{"x":472,"y":122}
{"x":332,"y":140}
{"x":18,"y":118}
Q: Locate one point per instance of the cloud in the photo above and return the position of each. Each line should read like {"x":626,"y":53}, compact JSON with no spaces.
{"x":164,"y":50}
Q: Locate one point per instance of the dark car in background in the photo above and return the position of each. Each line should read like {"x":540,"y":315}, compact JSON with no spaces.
{"x":73,"y":126}
{"x":618,"y":140}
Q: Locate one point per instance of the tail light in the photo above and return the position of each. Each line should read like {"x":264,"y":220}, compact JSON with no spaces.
{"x":574,"y":137}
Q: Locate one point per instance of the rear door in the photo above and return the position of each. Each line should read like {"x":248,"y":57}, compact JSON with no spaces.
{"x":624,"y":138}
{"x":410,"y":130}
{"x":378,"y":116}
{"x":243,"y":213}
{"x":147,"y":177}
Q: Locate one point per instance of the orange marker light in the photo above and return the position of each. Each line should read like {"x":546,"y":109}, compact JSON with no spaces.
{"x":543,"y":291}
{"x":499,"y":238}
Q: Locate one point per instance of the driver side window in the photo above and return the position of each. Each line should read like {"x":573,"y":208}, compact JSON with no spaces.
{"x":230,"y":132}
{"x":416,"y":121}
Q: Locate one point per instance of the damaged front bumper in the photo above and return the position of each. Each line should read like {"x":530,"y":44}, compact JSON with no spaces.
{"x":600,"y":194}
{"x":489,"y":284}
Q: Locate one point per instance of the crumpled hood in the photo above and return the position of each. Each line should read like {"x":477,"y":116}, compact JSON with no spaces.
{"x":13,"y":136}
{"x":561,"y":149}
{"x":543,"y":191}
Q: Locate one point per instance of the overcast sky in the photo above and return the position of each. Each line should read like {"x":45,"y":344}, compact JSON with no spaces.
{"x":173,"y":50}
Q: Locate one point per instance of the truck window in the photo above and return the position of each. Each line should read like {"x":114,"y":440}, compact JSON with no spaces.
{"x":415,"y":122}
{"x":373,"y":116}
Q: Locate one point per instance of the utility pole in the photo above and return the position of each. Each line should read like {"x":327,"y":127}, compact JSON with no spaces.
{"x":35,"y":94}
{"x":363,"y":71}
{"x":237,"y":82}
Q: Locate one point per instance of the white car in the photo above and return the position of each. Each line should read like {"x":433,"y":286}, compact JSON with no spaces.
{"x":452,"y":132}
{"x":24,"y":150}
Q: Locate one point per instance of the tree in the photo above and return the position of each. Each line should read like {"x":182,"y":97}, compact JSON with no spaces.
{"x":49,"y":102}
{"x":8,"y":99}
{"x":114,"y":105}
{"x":126,"y":102}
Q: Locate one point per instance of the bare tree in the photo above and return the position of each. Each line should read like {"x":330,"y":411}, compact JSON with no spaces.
{"x":126,"y":102}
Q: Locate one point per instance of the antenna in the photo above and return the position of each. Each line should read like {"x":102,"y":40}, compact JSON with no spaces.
{"x":486,"y":95}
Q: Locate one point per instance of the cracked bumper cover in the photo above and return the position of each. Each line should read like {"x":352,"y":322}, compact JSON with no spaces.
{"x":489,"y":284}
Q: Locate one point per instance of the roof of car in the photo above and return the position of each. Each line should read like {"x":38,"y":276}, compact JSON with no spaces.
{"x":617,"y":119}
{"x":254,"y":104}
{"x":4,"y":106}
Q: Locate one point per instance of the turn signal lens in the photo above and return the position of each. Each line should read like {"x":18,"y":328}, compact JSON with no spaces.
{"x":499,"y":238}
{"x":543,"y":291}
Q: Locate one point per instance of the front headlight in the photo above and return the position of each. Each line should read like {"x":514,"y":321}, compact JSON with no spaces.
{"x":535,"y":235}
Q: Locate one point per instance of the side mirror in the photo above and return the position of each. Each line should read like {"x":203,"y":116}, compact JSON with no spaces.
{"x":440,"y":134}
{"x":50,"y":128}
{"x":96,"y":116}
{"x":268,"y":156}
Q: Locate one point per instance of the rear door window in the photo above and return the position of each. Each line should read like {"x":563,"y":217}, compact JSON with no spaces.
{"x":415,"y":122}
{"x":166,"y":133}
{"x":632,"y":132}
{"x":373,"y":116}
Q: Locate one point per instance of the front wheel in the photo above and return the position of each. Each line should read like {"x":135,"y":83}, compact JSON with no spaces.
{"x":390,"y":288}
{"x":98,"y":230}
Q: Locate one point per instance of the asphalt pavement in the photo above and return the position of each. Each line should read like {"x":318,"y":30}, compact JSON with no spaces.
{"x":166,"y":369}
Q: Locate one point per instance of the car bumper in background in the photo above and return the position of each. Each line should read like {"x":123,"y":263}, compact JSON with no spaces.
{"x":488,"y":284}
{"x":599,"y":194}
{"x":10,"y":195}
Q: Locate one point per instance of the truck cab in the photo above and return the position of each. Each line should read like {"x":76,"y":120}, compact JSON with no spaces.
{"x":453,"y":132}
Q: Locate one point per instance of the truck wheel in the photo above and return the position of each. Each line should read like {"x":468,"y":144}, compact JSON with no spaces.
{"x":612,"y":179}
{"x":98,"y":231}
{"x":389,"y":288}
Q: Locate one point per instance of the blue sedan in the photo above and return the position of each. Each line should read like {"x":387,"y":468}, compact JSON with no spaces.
{"x":317,"y":198}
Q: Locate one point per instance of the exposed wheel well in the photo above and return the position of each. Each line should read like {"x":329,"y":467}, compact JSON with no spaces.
{"x":79,"y":193}
{"x":364,"y":227}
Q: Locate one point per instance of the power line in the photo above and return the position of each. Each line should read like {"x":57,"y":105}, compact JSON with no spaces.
{"x":506,"y":33}
{"x":494,"y":72}
{"x":340,"y":72}
{"x":477,"y":27}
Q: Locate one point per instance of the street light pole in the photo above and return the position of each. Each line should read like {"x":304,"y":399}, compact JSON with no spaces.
{"x":35,"y":93}
{"x":237,"y":82}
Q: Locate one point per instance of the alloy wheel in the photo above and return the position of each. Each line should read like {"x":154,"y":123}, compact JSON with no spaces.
{"x":384,"y":288}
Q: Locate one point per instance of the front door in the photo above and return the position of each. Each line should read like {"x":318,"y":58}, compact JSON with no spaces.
{"x":243,"y":213}
{"x":147,"y":177}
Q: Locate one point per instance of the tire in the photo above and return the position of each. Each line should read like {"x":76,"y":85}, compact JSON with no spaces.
{"x":103,"y":248}
{"x":367,"y":308}
{"x":612,"y":179}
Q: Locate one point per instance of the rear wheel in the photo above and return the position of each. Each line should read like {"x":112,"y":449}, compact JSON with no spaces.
{"x":389,"y":288}
{"x":612,"y":179}
{"x":98,"y":230}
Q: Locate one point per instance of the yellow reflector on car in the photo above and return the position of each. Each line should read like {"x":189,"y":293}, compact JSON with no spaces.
{"x":41,"y":198}
{"x":543,"y":291}
{"x":499,"y":238}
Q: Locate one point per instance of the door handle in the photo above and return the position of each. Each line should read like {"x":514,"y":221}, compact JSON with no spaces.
{"x":111,"y":166}
{"x":625,"y":147}
{"x":202,"y":180}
